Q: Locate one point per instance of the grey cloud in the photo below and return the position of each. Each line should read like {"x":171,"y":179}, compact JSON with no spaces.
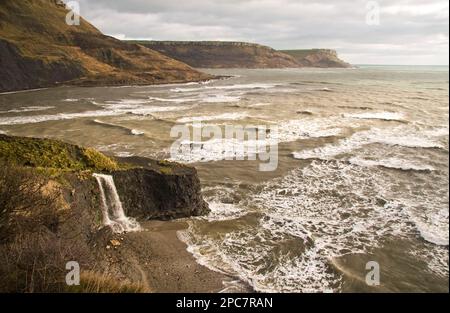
{"x":414,"y":28}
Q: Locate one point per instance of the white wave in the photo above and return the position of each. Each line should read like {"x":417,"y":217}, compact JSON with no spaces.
{"x":232,"y":148}
{"x":145,"y":110}
{"x":399,"y":136}
{"x":134,"y":132}
{"x":139,"y":110}
{"x":325,"y":211}
{"x":224,"y":211}
{"x":395,"y":163}
{"x":259,"y":104}
{"x":307,"y":128}
{"x":71,"y":100}
{"x":137,"y":132}
{"x":226,"y":87}
{"x":55,"y":117}
{"x":28,"y":109}
{"x":220,"y":117}
{"x":123,"y":103}
{"x":217,"y":98}
{"x":437,"y":132}
{"x":387,"y":116}
{"x":123,"y":154}
{"x":435,"y":257}
{"x":432,"y":224}
{"x":220,"y":99}
{"x":176,"y":100}
{"x":218,"y":150}
{"x":102,"y":122}
{"x":3,"y":132}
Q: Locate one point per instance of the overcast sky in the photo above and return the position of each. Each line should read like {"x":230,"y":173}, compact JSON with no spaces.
{"x":409,"y":31}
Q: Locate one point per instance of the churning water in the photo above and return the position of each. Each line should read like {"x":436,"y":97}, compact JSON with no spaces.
{"x":362,"y":169}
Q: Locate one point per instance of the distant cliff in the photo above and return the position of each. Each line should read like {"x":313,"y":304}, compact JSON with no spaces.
{"x":223,"y":54}
{"x":38,"y":49}
{"x":317,"y":58}
{"x":216,"y":54}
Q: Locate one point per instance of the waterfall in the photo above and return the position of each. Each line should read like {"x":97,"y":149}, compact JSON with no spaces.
{"x":112,"y":209}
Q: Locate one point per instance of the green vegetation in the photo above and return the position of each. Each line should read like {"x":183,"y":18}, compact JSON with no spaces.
{"x":53,"y":155}
{"x":99,"y":161}
{"x":166,"y":167}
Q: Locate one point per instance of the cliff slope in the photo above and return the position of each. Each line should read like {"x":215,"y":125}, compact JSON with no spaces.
{"x":150,"y":189}
{"x":222,"y":54}
{"x":216,"y":54}
{"x":51,"y":213}
{"x":38,"y":49}
{"x":317,"y":58}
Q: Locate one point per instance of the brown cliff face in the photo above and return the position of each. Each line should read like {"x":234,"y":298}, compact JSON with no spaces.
{"x":324,"y":58}
{"x":222,"y":54}
{"x":38,"y":49}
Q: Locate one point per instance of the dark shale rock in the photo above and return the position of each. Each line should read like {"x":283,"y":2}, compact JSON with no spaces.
{"x":151,"y":194}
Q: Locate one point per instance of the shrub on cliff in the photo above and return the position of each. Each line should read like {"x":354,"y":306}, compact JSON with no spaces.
{"x":52,"y":154}
{"x":33,"y":252}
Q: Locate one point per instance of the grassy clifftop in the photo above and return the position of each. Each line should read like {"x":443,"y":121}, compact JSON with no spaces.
{"x":38,"y":49}
{"x":53,"y":154}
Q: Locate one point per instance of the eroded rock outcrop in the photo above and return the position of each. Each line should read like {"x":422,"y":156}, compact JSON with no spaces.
{"x":173,"y":191}
{"x":148,"y":189}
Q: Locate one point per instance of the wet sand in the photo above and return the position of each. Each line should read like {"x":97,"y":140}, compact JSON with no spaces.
{"x":158,"y":260}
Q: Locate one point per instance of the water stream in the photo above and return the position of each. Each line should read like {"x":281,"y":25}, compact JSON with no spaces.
{"x":112,"y":208}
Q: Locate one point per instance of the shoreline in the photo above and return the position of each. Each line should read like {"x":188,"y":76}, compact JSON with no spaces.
{"x":101,"y":85}
{"x":156,"y":258}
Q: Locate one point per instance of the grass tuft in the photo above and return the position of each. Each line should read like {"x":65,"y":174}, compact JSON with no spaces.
{"x":53,"y":156}
{"x":93,"y":282}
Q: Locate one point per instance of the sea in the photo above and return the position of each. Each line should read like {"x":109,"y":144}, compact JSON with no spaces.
{"x":357,"y":199}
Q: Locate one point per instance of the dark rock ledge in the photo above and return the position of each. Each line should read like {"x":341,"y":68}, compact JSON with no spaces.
{"x":160,"y":190}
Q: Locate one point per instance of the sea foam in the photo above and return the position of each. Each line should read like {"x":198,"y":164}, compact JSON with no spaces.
{"x":325,"y":211}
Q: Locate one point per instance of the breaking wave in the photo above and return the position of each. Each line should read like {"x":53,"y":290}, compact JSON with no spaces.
{"x":322,"y":212}
{"x":28,"y":109}
{"x":386,"y":116}
{"x":111,"y":109}
{"x":399,"y":136}
{"x":394,"y":163}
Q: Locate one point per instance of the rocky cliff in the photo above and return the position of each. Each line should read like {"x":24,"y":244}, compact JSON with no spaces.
{"x":217,"y":54}
{"x":213,"y":54}
{"x":51,"y":213}
{"x":149,"y":189}
{"x":160,"y":190}
{"x":317,"y":58}
{"x":38,"y":49}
